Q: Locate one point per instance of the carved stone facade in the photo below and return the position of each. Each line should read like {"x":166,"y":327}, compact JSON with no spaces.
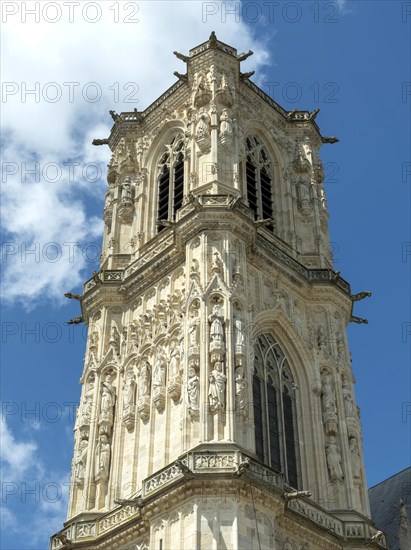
{"x":217,"y":376}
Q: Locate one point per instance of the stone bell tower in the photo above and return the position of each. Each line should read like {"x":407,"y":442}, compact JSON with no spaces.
{"x":217,"y":407}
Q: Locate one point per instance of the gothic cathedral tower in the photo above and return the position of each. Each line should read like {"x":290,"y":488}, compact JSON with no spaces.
{"x":217,"y":407}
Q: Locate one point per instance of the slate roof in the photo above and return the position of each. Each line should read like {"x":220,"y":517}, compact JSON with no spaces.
{"x":384,"y":500}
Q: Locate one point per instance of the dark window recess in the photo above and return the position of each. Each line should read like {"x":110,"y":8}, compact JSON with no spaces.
{"x":178,"y":184}
{"x":171,"y":181}
{"x":273,"y":428}
{"x":163,"y":195}
{"x":266,"y":197}
{"x":251,"y":172}
{"x":290,"y":440}
{"x":258,"y":418}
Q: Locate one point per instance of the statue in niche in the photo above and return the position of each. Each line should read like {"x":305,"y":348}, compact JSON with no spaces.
{"x":114,"y":341}
{"x":226,"y":129}
{"x":239,"y":332}
{"x":340,"y":346}
{"x":159,"y":371}
{"x":303,"y":192}
{"x":144,"y":379}
{"x":87,"y":407}
{"x":81,"y":461}
{"x":328,"y":397}
{"x":355,"y":458}
{"x":216,"y":390}
{"x":193,"y":328}
{"x":240,"y":391}
{"x":193,"y":390}
{"x":348,"y":398}
{"x":216,"y":330}
{"x":321,"y":340}
{"x":103,"y":457}
{"x":202,"y":128}
{"x":126,"y":190}
{"x":129,"y":390}
{"x":174,"y":363}
{"x":94,"y":341}
{"x":108,"y":399}
{"x":334,"y":462}
{"x":226,"y":126}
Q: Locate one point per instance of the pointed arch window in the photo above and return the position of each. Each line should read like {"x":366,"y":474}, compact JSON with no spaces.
{"x":171,"y":180}
{"x":275,"y":422}
{"x":259,"y":178}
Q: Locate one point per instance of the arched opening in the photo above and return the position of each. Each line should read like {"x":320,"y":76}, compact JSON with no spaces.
{"x":171,"y":180}
{"x":275,"y":420}
{"x":259,"y":179}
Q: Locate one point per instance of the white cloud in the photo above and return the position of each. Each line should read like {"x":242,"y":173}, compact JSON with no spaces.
{"x":16,"y":457}
{"x":32,"y":494}
{"x":37,"y":130}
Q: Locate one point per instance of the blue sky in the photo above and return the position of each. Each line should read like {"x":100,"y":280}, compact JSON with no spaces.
{"x":350,"y":59}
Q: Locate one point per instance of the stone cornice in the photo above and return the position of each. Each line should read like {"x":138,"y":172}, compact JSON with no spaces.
{"x":218,"y":466}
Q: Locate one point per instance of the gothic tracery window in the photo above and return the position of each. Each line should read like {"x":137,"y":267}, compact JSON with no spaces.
{"x":171,"y":179}
{"x":259,"y":177}
{"x":275,"y":422}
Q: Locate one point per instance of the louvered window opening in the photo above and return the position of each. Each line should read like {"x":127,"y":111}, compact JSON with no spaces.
{"x":259,"y":180}
{"x":171,"y":181}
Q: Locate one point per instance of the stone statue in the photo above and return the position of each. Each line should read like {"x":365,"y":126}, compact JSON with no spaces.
{"x":94,"y":341}
{"x":129,"y":390}
{"x":328,"y":397}
{"x":144,"y":379}
{"x":355,"y":458}
{"x":193,"y":327}
{"x":103,"y":457}
{"x":87,"y":407}
{"x":348,"y":401}
{"x":193,"y":391}
{"x":126,"y":190}
{"x":216,"y":329}
{"x":226,"y":126}
{"x":108,"y":399}
{"x":216,"y":390}
{"x":240,"y":391}
{"x":173,"y":366}
{"x":202,"y":129}
{"x":334,"y":462}
{"x":159,"y":371}
{"x":81,"y":460}
{"x":321,"y":341}
{"x":114,"y":341}
{"x":239,"y":332}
